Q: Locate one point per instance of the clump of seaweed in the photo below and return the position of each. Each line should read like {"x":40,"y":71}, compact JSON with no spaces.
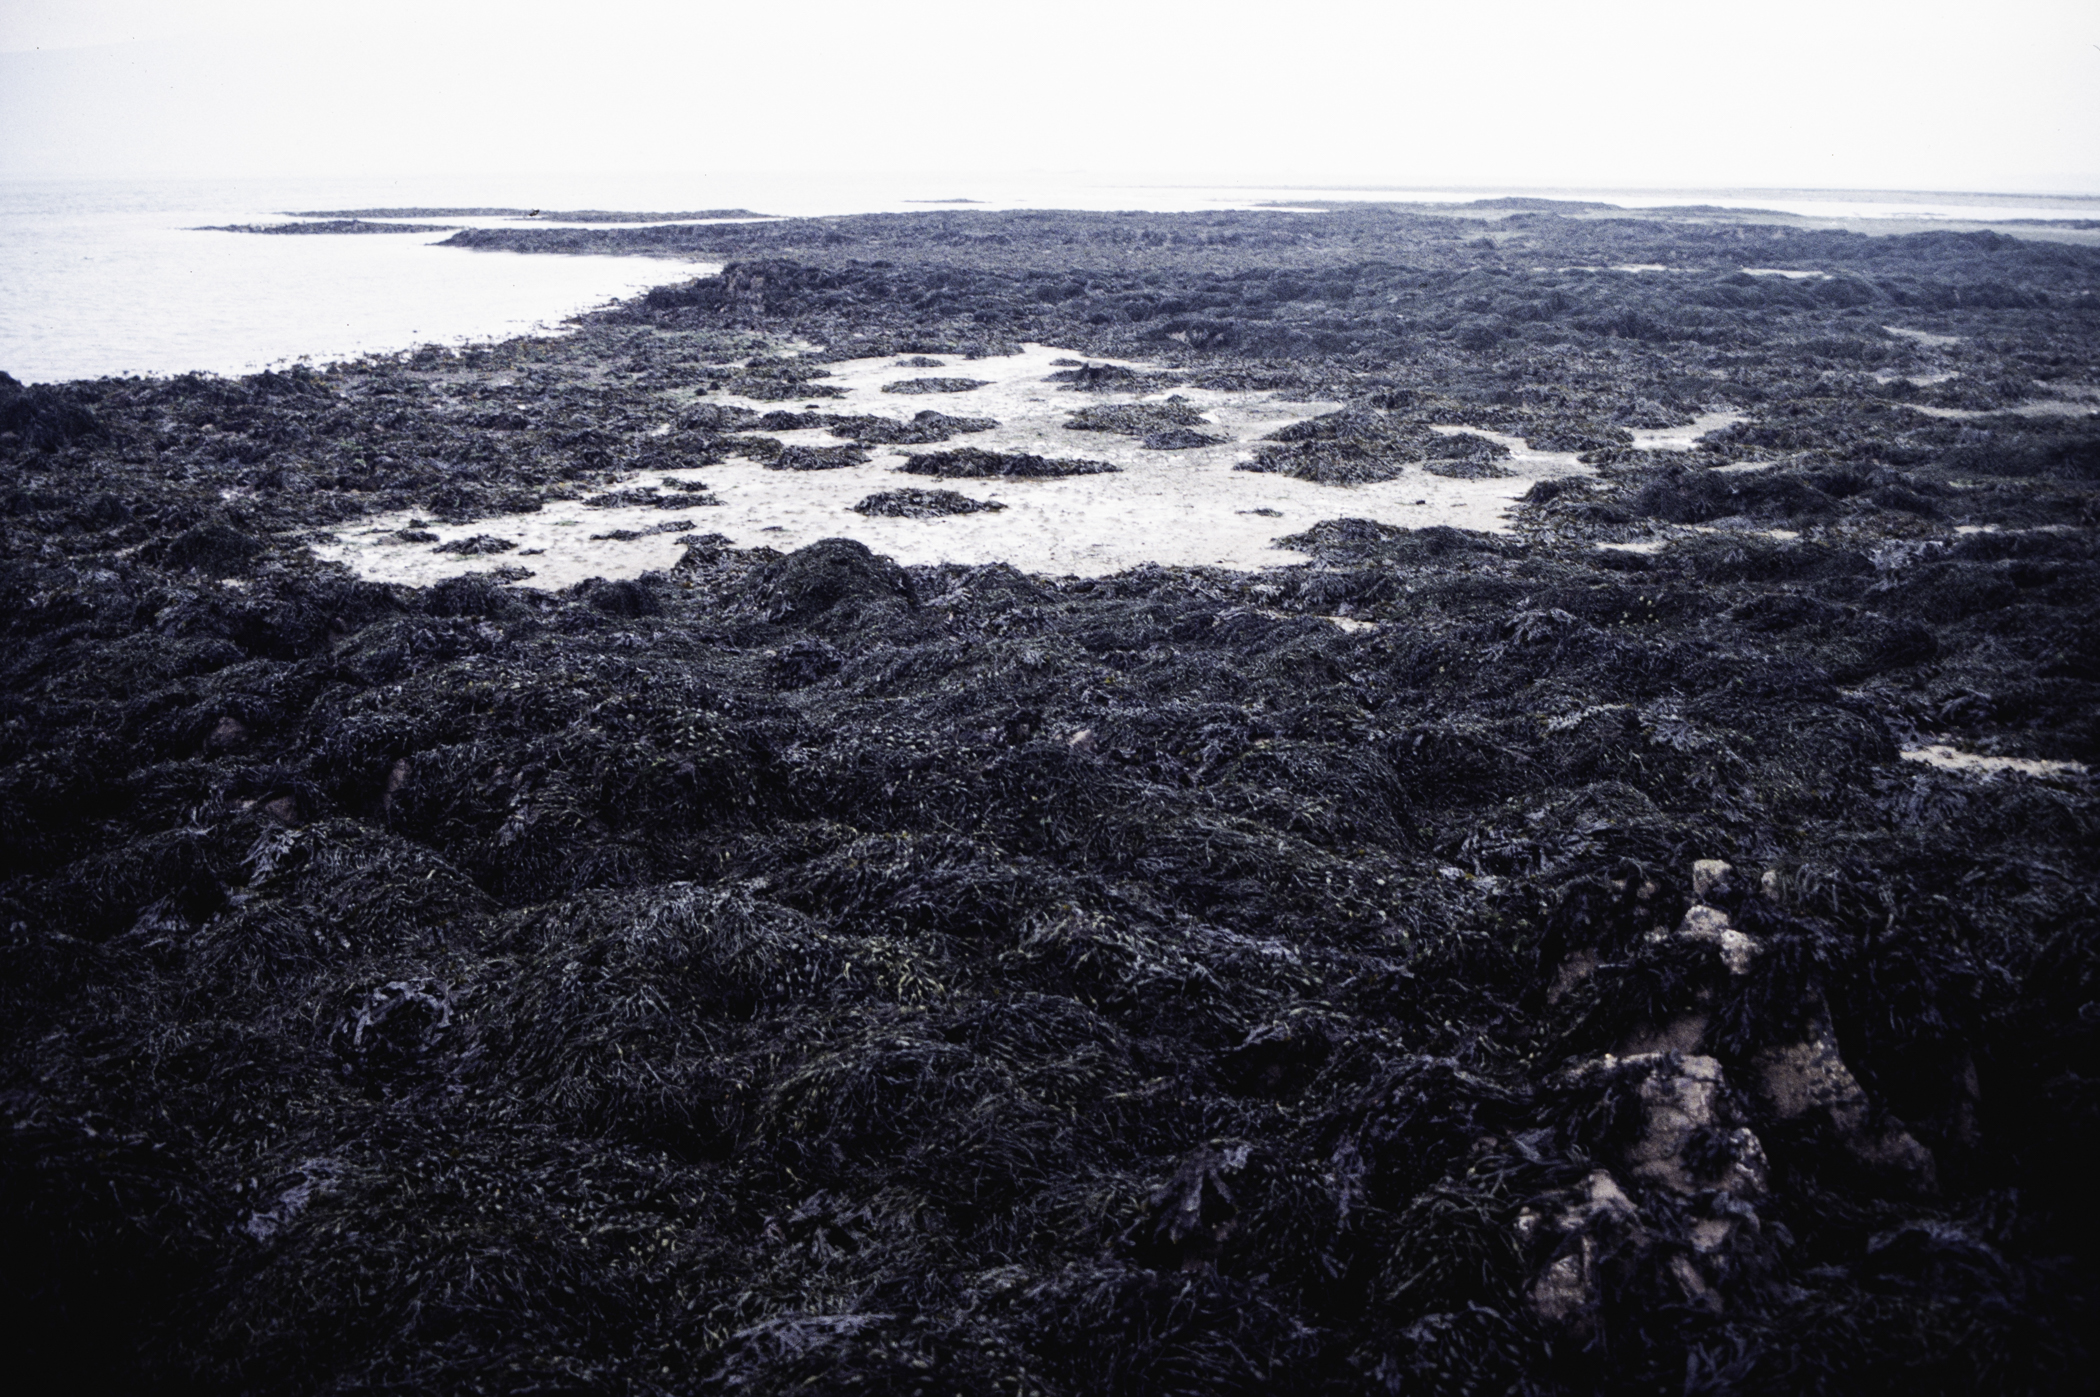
{"x":477,"y":545}
{"x":921,"y":504}
{"x":1467,"y":468}
{"x":1135,"y":419}
{"x":1359,"y":446}
{"x":971,"y":462}
{"x":1330,"y":462}
{"x":925,"y":427}
{"x":934,"y":385}
{"x":1112,"y":378}
{"x":818,"y":458}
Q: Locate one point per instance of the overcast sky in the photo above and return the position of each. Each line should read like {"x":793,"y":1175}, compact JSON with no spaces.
{"x":1920,"y":95}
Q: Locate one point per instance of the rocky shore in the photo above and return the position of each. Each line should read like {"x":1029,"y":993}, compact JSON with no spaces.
{"x":1649,"y":942}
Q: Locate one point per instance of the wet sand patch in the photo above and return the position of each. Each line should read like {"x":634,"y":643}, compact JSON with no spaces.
{"x":1185,"y":507}
{"x":2044,"y":407}
{"x":1686,"y":437}
{"x":1947,"y":758}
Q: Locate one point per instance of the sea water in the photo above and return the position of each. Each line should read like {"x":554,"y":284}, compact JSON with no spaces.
{"x":117,"y":277}
{"x":105,"y":278}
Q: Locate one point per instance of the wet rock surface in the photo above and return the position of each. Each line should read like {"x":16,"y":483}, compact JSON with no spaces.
{"x":1458,"y":962}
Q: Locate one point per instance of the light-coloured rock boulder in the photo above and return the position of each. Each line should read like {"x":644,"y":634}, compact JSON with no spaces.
{"x":1596,"y":1223}
{"x":1709,"y":876}
{"x":1682,"y":1098}
{"x":1710,"y":924}
{"x":1588,"y":1220}
{"x":1809,"y":1077}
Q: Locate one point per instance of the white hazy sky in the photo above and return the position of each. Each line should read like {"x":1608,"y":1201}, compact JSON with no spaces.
{"x":1877,"y":94}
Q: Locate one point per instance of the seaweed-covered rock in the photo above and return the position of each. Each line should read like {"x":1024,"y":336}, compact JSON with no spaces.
{"x":818,"y":458}
{"x":1112,"y":378}
{"x":1808,"y":1079}
{"x":1467,"y":468}
{"x":922,"y":504}
{"x":970,"y":462}
{"x":214,"y":547}
{"x":1359,"y":446}
{"x":812,"y":581}
{"x":1181,"y":439}
{"x":1135,"y":419}
{"x":926,"y":426}
{"x":477,"y":545}
{"x":1329,"y":462}
{"x":44,"y":416}
{"x":770,"y":389}
{"x":330,"y":226}
{"x":934,"y":385}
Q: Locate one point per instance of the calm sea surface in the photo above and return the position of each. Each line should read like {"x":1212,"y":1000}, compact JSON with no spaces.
{"x":103,"y":277}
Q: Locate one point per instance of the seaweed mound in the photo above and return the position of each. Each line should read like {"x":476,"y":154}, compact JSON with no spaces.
{"x":648,"y":496}
{"x":812,"y":581}
{"x":44,"y":416}
{"x":478,"y":544}
{"x":925,"y":427}
{"x":214,"y":547}
{"x":1331,"y":462}
{"x":1112,"y":378}
{"x":922,"y":504}
{"x":969,"y":461}
{"x":1360,"y":446}
{"x":1135,"y":419}
{"x":934,"y":385}
{"x":818,"y":458}
{"x":776,"y":380}
{"x":1467,"y":468}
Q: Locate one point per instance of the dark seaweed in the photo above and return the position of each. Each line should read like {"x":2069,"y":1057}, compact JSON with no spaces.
{"x":329,"y":225}
{"x":806,"y":973}
{"x":922,"y":504}
{"x":934,"y":385}
{"x":971,"y":461}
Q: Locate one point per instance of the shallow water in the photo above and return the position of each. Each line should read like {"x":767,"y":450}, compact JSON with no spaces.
{"x":103,"y":283}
